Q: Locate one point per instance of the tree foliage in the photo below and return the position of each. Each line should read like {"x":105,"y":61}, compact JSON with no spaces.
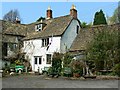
{"x":115,"y":18}
{"x":103,"y":51}
{"x":85,"y":25}
{"x":67,"y":59}
{"x":41,"y":18}
{"x":99,"y":18}
{"x":57,"y":62}
{"x":11,"y":16}
{"x":117,"y":69}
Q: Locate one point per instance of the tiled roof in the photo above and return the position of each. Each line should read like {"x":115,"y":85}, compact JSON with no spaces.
{"x":13,"y":29}
{"x":55,"y":27}
{"x":86,"y":35}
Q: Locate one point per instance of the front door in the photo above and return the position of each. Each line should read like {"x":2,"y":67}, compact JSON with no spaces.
{"x":37,"y":63}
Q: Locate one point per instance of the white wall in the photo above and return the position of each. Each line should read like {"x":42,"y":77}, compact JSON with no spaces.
{"x":69,"y":35}
{"x":34,"y":48}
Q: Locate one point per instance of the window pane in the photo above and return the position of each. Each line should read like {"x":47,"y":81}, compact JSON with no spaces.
{"x":39,"y":60}
{"x":42,"y":42}
{"x":38,"y":27}
{"x":47,"y":41}
{"x":48,"y":59}
{"x":35,"y":60}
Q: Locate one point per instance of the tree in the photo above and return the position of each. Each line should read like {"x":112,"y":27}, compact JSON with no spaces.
{"x":115,"y":18}
{"x":11,"y":16}
{"x":85,"y":25}
{"x":103,"y":51}
{"x":99,"y":18}
{"x":41,"y":18}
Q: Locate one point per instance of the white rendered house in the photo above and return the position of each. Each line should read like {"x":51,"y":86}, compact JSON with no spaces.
{"x":49,"y":36}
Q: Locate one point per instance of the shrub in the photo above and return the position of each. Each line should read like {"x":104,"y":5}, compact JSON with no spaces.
{"x":67,"y":59}
{"x":77,"y":66}
{"x":116,"y":69}
{"x":57,"y":63}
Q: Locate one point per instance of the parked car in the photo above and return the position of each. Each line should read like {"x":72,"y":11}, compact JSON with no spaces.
{"x":19,"y":68}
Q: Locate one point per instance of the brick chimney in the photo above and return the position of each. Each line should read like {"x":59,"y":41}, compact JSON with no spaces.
{"x":73,"y":12}
{"x":49,"y":13}
{"x":17,"y":20}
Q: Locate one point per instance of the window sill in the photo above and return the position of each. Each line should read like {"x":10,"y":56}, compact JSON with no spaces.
{"x":48,"y":63}
{"x":43,"y":46}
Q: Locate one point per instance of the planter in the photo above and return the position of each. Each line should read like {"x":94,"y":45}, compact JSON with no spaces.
{"x":76,"y":75}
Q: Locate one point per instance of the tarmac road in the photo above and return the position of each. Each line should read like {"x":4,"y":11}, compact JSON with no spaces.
{"x":39,"y":81}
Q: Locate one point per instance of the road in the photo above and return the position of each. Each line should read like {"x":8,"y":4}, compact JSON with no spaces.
{"x":37,"y":81}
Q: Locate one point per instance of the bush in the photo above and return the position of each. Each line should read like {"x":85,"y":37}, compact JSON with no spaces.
{"x":67,"y":71}
{"x":67,"y":59}
{"x":116,"y":69}
{"x":77,"y":67}
{"x":56,"y":64}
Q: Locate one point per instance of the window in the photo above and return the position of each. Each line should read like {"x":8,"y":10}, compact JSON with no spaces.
{"x":35,"y":60}
{"x":38,"y":27}
{"x":45,"y":42}
{"x":4,"y":49}
{"x":40,"y":60}
{"x":48,"y":59}
{"x":77,"y":31}
{"x":12,"y":46}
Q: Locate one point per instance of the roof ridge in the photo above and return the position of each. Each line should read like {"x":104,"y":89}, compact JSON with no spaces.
{"x":62,"y":16}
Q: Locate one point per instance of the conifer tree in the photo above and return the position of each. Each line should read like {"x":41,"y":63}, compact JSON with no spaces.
{"x":99,"y":18}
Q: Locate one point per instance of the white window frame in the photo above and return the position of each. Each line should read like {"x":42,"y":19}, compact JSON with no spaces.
{"x":38,"y":27}
{"x":38,"y":60}
{"x":48,"y":62}
{"x":45,"y":42}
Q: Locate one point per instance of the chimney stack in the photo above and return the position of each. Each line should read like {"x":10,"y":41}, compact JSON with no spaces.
{"x":17,"y":20}
{"x":49,"y":13}
{"x":73,"y":12}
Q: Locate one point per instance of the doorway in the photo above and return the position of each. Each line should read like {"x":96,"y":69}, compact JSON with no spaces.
{"x":37,"y":63}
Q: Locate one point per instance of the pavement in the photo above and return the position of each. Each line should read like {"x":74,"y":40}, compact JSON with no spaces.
{"x":40,"y":81}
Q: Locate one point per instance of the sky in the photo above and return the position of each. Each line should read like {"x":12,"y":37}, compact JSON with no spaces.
{"x":31,"y":11}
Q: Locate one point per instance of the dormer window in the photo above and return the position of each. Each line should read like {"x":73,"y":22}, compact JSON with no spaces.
{"x":38,"y":27}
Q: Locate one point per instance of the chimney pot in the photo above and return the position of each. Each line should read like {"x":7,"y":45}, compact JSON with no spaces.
{"x":49,"y":13}
{"x":73,"y":12}
{"x":18,"y":20}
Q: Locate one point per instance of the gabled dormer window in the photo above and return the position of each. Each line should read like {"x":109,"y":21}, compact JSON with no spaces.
{"x":38,"y":27}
